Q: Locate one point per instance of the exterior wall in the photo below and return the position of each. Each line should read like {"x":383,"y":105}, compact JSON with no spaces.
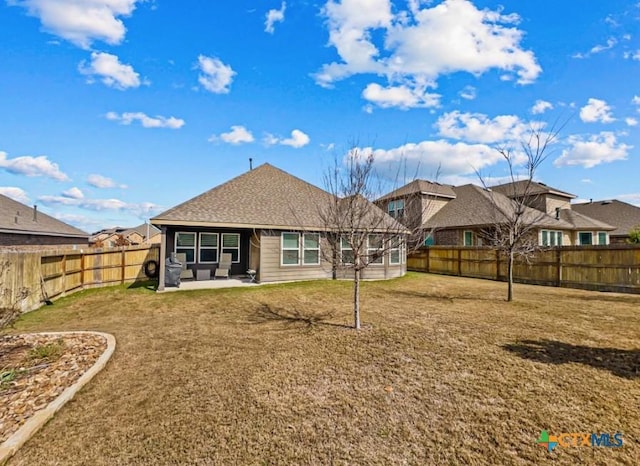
{"x":553,"y":202}
{"x":431,"y":206}
{"x":447,"y":238}
{"x":13,"y":239}
{"x":271,"y":270}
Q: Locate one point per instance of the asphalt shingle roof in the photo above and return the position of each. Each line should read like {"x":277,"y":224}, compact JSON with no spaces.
{"x":265,"y":197}
{"x":18,"y":218}
{"x":534,"y":189}
{"x":421,"y":186}
{"x":625,"y":217}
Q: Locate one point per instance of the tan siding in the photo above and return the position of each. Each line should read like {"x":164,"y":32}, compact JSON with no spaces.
{"x":554,"y":201}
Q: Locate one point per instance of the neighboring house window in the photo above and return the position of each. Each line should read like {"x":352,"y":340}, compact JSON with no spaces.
{"x":551,"y":238}
{"x":585,"y":238}
{"x":231,"y":245}
{"x":290,"y":248}
{"x":395,"y":253}
{"x":374,"y":249}
{"x":468,"y":238}
{"x":208,"y":252}
{"x":396,"y":208}
{"x":346,"y":252}
{"x":311,"y":249}
{"x":186,"y":244}
{"x":429,"y":241}
{"x":603,"y":238}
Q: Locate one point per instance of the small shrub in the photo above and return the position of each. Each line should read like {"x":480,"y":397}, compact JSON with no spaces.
{"x":50,"y":351}
{"x":7,"y":376}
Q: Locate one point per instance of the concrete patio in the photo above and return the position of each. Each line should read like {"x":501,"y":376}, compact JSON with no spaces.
{"x":231,"y":282}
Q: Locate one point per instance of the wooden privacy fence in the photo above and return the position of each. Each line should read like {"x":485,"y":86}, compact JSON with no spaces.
{"x":602,"y":268}
{"x":45,"y":275}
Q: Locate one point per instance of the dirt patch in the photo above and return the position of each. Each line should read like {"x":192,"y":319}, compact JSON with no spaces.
{"x":36,"y":368}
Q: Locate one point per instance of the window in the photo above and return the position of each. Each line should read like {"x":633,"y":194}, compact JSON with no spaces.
{"x":603,"y":238}
{"x":374,"y":249}
{"x":231,"y":245}
{"x":311,"y":249}
{"x":468,"y":238}
{"x":346,"y":252}
{"x":429,"y":241}
{"x":208,"y":251}
{"x":186,"y":244}
{"x":585,"y":238}
{"x":396,"y":208}
{"x":550,"y":238}
{"x":395,"y":255}
{"x":290,"y":248}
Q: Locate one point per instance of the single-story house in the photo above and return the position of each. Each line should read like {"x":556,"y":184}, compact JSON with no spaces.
{"x":462,"y":215}
{"x":625,"y":217}
{"x":21,"y":225}
{"x":270,"y":222}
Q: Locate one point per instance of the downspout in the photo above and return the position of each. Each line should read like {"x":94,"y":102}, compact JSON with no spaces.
{"x":163,"y":256}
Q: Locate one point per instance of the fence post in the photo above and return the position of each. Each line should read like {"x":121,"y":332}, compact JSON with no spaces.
{"x":459,"y":262}
{"x":122,"y":266}
{"x":82,"y":270}
{"x":64,"y":274}
{"x":559,"y":266}
{"x":498,"y":265}
{"x":428,"y":258}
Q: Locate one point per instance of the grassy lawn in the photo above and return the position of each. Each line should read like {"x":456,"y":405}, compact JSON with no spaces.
{"x":443,"y":372}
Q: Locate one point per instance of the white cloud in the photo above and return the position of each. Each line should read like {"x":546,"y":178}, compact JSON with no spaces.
{"x":636,"y":101}
{"x":593,"y":150}
{"x":632,"y":55}
{"x":15,"y":193}
{"x":402,"y":96}
{"x":450,"y":160}
{"x":611,"y":42}
{"x":102,"y":182}
{"x":415,"y":47}
{"x":81,"y":22}
{"x":477,"y":127}
{"x":215,"y":76}
{"x":596,"y":110}
{"x":274,"y":16}
{"x":147,"y":122}
{"x":111,"y":72}
{"x":238,"y":135}
{"x":631,"y":198}
{"x":298,"y":139}
{"x":83,"y":222}
{"x":631,"y":121}
{"x":541,"y":106}
{"x":586,"y":180}
{"x":32,"y":166}
{"x":468,"y":93}
{"x":142,"y":210}
{"x":73,"y":193}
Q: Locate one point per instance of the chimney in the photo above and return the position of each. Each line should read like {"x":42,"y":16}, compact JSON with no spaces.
{"x":250,"y":164}
{"x":35,"y":213}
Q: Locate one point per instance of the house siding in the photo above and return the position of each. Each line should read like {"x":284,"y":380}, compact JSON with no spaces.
{"x":14,"y":239}
{"x":272,"y":271}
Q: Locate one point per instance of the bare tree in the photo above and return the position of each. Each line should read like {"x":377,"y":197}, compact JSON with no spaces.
{"x":358,"y":232}
{"x":515,"y":222}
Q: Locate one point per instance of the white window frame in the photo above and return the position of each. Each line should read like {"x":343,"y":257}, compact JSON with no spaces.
{"x":395,"y":247}
{"x":201,"y":247}
{"x":345,"y":248}
{"x":283,"y":249}
{"x":554,"y":238}
{"x":222,"y":248}
{"x":194,"y":247}
{"x":371,"y":251}
{"x":464,"y":238}
{"x":606,"y":238}
{"x":580,"y":240}
{"x":304,"y":249}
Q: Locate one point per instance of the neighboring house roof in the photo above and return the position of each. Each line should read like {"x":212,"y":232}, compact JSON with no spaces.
{"x":265,"y":197}
{"x":476,"y":206}
{"x":625,"y":217}
{"x":125,"y":232}
{"x":18,"y":218}
{"x":518,"y":188}
{"x":422,"y":187}
{"x":583,"y":222}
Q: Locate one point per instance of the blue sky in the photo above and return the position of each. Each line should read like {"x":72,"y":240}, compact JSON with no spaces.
{"x":114,"y":110}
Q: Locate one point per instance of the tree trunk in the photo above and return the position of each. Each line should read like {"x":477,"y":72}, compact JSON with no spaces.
{"x":510,"y":277}
{"x":356,"y":299}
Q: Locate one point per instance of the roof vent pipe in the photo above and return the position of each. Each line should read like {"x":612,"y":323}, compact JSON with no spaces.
{"x":35,"y":213}
{"x":557,"y":213}
{"x":250,"y":164}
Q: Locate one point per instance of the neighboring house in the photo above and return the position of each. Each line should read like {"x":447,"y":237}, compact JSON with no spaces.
{"x":269,"y":221}
{"x":461,"y":215}
{"x":21,"y":225}
{"x":142,"y":234}
{"x":625,"y":217}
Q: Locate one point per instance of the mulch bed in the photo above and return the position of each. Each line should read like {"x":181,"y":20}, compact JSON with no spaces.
{"x":36,"y":368}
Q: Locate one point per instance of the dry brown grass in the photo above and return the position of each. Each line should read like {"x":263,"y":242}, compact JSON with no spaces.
{"x":444,"y":372}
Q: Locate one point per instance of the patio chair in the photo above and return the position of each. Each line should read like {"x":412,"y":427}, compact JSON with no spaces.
{"x":222,"y":271}
{"x":185,"y":272}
